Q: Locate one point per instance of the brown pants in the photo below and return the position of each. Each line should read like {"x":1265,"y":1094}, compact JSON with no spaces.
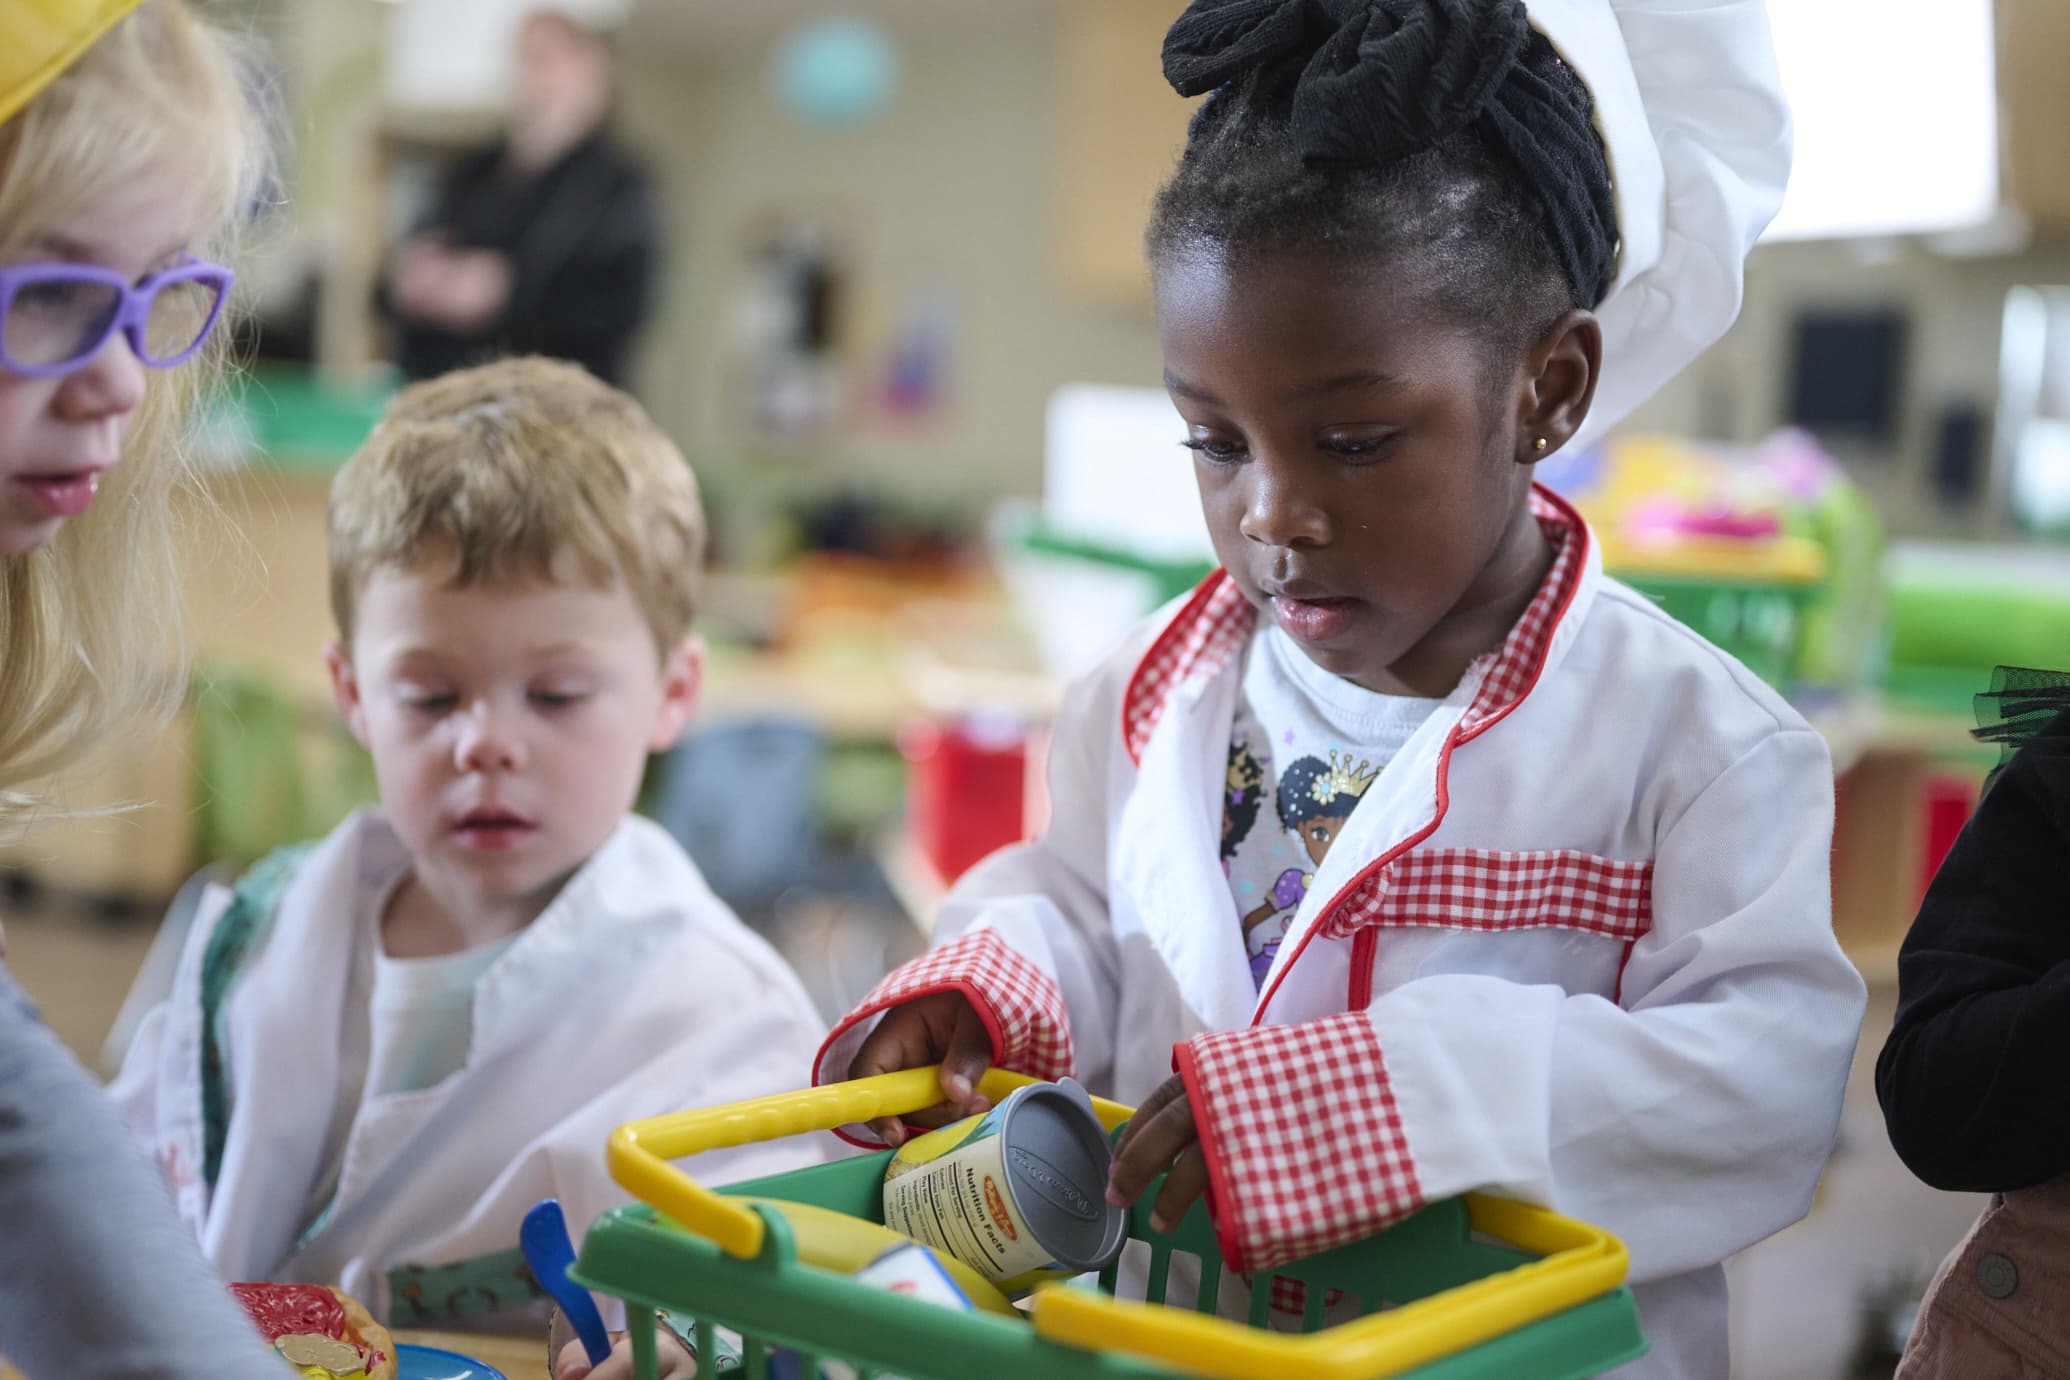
{"x":1999,"y":1308}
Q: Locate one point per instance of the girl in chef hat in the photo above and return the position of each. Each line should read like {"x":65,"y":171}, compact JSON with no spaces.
{"x":1573,"y":943}
{"x":128,"y":156}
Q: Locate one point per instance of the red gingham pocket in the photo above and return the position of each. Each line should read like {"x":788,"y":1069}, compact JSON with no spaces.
{"x":1302,"y":1136}
{"x":1483,"y":889}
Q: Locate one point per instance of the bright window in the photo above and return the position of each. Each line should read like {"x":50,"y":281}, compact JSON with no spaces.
{"x":1896,"y":112}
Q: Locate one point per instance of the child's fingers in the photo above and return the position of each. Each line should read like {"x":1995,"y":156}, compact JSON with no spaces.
{"x":573,"y":1362}
{"x":964,"y":1061}
{"x":1187,"y":1180}
{"x":898,"y":1042}
{"x":1156,"y":1141}
{"x":1146,"y":1112}
{"x":943,"y":1028}
{"x":671,"y":1357}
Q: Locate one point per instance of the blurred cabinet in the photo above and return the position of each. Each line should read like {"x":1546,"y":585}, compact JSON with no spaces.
{"x":1122,"y":131}
{"x":1897,"y":813}
{"x":2034,"y":110}
{"x":252,"y":558}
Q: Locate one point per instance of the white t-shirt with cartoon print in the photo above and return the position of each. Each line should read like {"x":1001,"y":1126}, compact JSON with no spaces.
{"x":1305,"y":745}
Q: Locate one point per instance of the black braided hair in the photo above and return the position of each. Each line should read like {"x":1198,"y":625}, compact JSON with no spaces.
{"x":1441,"y":137}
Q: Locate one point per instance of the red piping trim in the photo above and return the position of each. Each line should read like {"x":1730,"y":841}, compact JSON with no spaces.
{"x":1202,"y":592}
{"x":1210,"y":1152}
{"x":1444,"y":803}
{"x":977,"y":1000}
{"x":1617,"y":991}
{"x":1578,"y":530}
{"x":1364,"y":947}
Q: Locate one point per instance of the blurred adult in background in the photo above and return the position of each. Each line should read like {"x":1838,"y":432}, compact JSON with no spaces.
{"x":544,"y":242}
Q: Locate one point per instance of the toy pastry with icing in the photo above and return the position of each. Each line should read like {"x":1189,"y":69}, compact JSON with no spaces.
{"x":323,"y":1332}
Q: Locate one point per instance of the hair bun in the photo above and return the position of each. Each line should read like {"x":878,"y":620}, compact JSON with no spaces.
{"x":1382,"y":79}
{"x":1376,"y":81}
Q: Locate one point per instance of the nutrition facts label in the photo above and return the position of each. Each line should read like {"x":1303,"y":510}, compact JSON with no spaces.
{"x":961,"y":1209}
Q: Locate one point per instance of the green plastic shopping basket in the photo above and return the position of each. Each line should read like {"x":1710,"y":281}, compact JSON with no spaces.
{"x":1467,"y":1289}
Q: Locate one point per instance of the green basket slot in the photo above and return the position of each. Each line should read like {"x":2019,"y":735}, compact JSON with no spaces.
{"x":774,"y":1301}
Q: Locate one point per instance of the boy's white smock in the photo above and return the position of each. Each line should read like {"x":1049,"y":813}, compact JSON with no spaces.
{"x":635,"y":992}
{"x":1573,"y":946}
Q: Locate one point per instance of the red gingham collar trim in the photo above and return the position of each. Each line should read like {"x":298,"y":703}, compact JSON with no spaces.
{"x":1522,"y":657}
{"x":1205,"y":634}
{"x":1200,"y":640}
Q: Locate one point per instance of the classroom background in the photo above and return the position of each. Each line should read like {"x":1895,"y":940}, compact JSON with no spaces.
{"x":899,"y":323}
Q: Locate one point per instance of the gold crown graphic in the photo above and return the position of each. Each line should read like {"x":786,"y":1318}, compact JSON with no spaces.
{"x":1342,"y":779}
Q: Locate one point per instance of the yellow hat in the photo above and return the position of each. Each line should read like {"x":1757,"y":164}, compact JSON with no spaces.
{"x":41,"y":38}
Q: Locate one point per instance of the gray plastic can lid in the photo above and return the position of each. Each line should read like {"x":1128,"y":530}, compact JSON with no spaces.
{"x":1057,"y":1157}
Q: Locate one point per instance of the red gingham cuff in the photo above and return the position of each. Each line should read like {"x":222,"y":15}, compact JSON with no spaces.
{"x":1303,"y":1141}
{"x":1021,"y":1006}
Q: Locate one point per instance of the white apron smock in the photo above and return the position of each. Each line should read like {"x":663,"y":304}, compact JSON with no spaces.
{"x":634,"y":993}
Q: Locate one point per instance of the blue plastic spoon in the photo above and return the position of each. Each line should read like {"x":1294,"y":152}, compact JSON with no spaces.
{"x":544,"y":1238}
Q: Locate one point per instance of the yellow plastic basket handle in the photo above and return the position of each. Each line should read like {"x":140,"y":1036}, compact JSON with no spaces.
{"x":639,"y":1152}
{"x":1578,"y":1262}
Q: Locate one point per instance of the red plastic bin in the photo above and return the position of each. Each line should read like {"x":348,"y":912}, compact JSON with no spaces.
{"x":966,"y":789}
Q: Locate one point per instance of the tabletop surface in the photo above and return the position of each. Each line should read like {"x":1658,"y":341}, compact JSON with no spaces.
{"x":519,"y":1358}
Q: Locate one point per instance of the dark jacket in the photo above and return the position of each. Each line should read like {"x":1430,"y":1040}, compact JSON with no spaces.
{"x":582,"y":237}
{"x":1975,"y":1079}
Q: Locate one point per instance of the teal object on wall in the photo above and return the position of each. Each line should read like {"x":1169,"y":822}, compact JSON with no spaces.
{"x":836,"y":72}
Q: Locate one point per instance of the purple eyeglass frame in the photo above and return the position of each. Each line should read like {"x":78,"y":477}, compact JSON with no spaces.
{"x":130,"y":315}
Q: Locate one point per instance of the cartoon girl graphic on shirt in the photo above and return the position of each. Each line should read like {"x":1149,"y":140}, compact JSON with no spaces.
{"x":1314,"y":800}
{"x":1240,"y":799}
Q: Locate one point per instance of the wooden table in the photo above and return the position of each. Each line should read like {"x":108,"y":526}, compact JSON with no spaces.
{"x":519,"y":1358}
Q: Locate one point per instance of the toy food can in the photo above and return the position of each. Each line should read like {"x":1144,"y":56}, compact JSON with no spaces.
{"x":1017,"y":1193}
{"x":914,"y":1270}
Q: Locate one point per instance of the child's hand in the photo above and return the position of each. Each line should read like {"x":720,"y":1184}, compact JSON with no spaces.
{"x":940,"y":1028}
{"x":670,"y":1358}
{"x":1160,"y":1136}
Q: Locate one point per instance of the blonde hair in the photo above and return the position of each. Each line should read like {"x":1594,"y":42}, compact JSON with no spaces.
{"x":90,"y":624}
{"x":511,"y":469}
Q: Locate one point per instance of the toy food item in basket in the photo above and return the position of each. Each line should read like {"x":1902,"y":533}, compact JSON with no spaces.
{"x":917,"y":1272}
{"x":324,"y":1332}
{"x":836,"y":1241}
{"x":1019,"y":1192}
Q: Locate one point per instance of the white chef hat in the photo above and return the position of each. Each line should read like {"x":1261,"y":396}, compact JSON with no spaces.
{"x":1689,"y":104}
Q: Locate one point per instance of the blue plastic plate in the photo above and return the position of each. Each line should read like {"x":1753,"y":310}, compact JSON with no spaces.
{"x":430,"y":1363}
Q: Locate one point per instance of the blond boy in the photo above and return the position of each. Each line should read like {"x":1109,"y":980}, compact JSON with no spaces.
{"x":384,"y":1048}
